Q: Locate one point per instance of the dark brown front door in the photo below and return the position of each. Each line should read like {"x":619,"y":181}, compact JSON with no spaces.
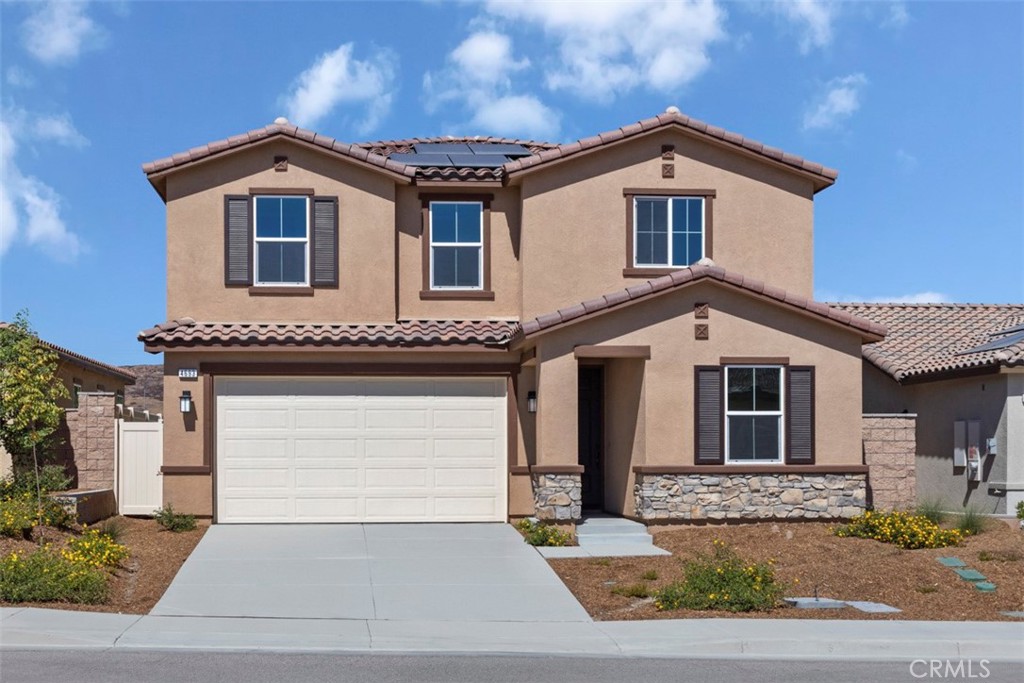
{"x":591,"y":433}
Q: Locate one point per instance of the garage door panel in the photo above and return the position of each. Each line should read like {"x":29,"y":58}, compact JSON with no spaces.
{"x":361,"y":449}
{"x":325,"y":418}
{"x":329,"y":449}
{"x":250,"y":418}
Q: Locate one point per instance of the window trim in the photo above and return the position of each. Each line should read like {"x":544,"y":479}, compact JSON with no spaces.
{"x":256,"y":239}
{"x":780,"y":414}
{"x":631,"y":193}
{"x":483,"y":292}
{"x":76,"y":389}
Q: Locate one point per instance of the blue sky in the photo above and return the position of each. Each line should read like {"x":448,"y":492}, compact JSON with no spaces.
{"x":919,"y":105}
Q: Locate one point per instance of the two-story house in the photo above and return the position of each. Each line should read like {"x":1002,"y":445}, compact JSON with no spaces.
{"x":473,"y":329}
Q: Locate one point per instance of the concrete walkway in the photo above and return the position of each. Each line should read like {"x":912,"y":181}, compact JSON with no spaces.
{"x":32,"y":628}
{"x":390,"y":572}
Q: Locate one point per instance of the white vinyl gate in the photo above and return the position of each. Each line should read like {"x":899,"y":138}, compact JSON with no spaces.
{"x":140,"y":455}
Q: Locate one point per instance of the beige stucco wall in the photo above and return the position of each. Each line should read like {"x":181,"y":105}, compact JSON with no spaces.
{"x":625,"y":431}
{"x":938,"y":404}
{"x":195,"y":238}
{"x":574,"y":218}
{"x":739,"y":327}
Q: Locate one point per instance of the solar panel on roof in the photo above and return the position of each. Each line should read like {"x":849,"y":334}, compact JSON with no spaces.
{"x":478,"y":160}
{"x":509,"y":150}
{"x":1015,"y":328}
{"x":441,"y":148}
{"x":421,"y":159}
{"x":996,"y":344}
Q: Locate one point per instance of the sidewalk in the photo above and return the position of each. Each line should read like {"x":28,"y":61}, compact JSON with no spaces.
{"x":31,"y":628}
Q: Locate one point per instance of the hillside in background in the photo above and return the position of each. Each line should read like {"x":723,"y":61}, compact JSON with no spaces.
{"x":148,"y":391}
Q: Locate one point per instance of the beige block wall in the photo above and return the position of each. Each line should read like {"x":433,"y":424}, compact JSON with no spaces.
{"x":739,"y":327}
{"x":195,"y":238}
{"x":890,"y":448}
{"x":574,"y":218}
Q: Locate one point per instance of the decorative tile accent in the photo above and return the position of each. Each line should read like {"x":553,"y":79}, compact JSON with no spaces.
{"x":701,"y":311}
{"x":668,"y":170}
{"x":280,"y":164}
{"x":701,"y":332}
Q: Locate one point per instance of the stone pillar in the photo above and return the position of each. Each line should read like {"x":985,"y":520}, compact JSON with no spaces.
{"x":91,"y":439}
{"x":558,"y":496}
{"x":890,"y":447}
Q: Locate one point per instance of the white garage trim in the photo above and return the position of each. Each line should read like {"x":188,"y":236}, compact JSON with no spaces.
{"x":361,"y":449}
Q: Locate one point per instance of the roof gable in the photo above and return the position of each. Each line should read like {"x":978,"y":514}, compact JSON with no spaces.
{"x":75,"y":358}
{"x":705,"y":270}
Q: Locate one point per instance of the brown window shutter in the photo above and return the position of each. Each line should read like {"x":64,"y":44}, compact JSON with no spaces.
{"x":324,"y":242}
{"x":800,"y":416}
{"x":237,"y":240}
{"x":708,"y":410}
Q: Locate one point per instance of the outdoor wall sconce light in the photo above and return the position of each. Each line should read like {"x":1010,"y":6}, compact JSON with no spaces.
{"x":531,"y":401}
{"x":186,"y":402}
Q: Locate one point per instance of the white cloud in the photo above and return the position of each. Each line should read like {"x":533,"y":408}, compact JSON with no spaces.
{"x":336,"y":78}
{"x":812,"y":18}
{"x":606,"y":49}
{"x":29,"y":208}
{"x":16,"y":77}
{"x":839,"y":100}
{"x":57,"y":32}
{"x":519,"y":115}
{"x":897,"y":17}
{"x":914,"y":298}
{"x":478,"y":78}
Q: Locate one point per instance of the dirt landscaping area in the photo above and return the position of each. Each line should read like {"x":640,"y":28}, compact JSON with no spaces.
{"x":140,"y":581}
{"x":809,"y":557}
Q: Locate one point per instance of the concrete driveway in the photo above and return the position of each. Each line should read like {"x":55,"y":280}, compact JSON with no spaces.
{"x":441,"y":572}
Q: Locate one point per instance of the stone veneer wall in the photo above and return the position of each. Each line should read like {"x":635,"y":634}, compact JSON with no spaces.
{"x":558,"y":497}
{"x":890,"y":447}
{"x":749,"y":496}
{"x":90,"y":440}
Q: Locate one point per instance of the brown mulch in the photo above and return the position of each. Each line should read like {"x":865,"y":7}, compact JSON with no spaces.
{"x":137,"y":585}
{"x":809,"y":556}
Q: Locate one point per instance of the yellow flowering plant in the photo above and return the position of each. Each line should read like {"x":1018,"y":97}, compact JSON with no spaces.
{"x":902,"y":529}
{"x":95,"y":549}
{"x":723,"y":581}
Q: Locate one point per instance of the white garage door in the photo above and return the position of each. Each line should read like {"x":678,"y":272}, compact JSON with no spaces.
{"x":361,"y":449}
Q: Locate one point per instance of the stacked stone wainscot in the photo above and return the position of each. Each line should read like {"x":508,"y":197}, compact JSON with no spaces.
{"x":558,"y":496}
{"x":749,"y":496}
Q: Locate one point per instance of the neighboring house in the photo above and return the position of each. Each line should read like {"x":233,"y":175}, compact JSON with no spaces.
{"x":960,"y":368}
{"x":472,"y":329}
{"x":81,"y":375}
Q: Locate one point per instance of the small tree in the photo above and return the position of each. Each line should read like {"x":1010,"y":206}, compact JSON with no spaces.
{"x":29,"y":394}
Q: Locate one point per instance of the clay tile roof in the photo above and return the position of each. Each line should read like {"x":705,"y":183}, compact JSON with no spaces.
{"x":705,"y":269}
{"x":91,"y":363}
{"x":826,"y":176}
{"x":925,"y":339}
{"x":185,"y":333}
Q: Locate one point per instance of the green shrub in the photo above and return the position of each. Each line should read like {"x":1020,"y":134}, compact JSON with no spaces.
{"x":649,"y":575}
{"x":51,"y":478}
{"x":1020,"y":510}
{"x":636,"y":590}
{"x":931,"y":510}
{"x":999,"y":556}
{"x":43,"y":576}
{"x":971,"y":522}
{"x":174,"y":521}
{"x":18,"y":516}
{"x":537,"y":533}
{"x":902,"y":529}
{"x":723,"y":581}
{"x":95,"y":549}
{"x":114,"y":528}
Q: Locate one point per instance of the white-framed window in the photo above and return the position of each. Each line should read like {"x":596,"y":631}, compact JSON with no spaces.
{"x":281,"y":249}
{"x":668,"y":232}
{"x":456,"y":245}
{"x":754,"y":410}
